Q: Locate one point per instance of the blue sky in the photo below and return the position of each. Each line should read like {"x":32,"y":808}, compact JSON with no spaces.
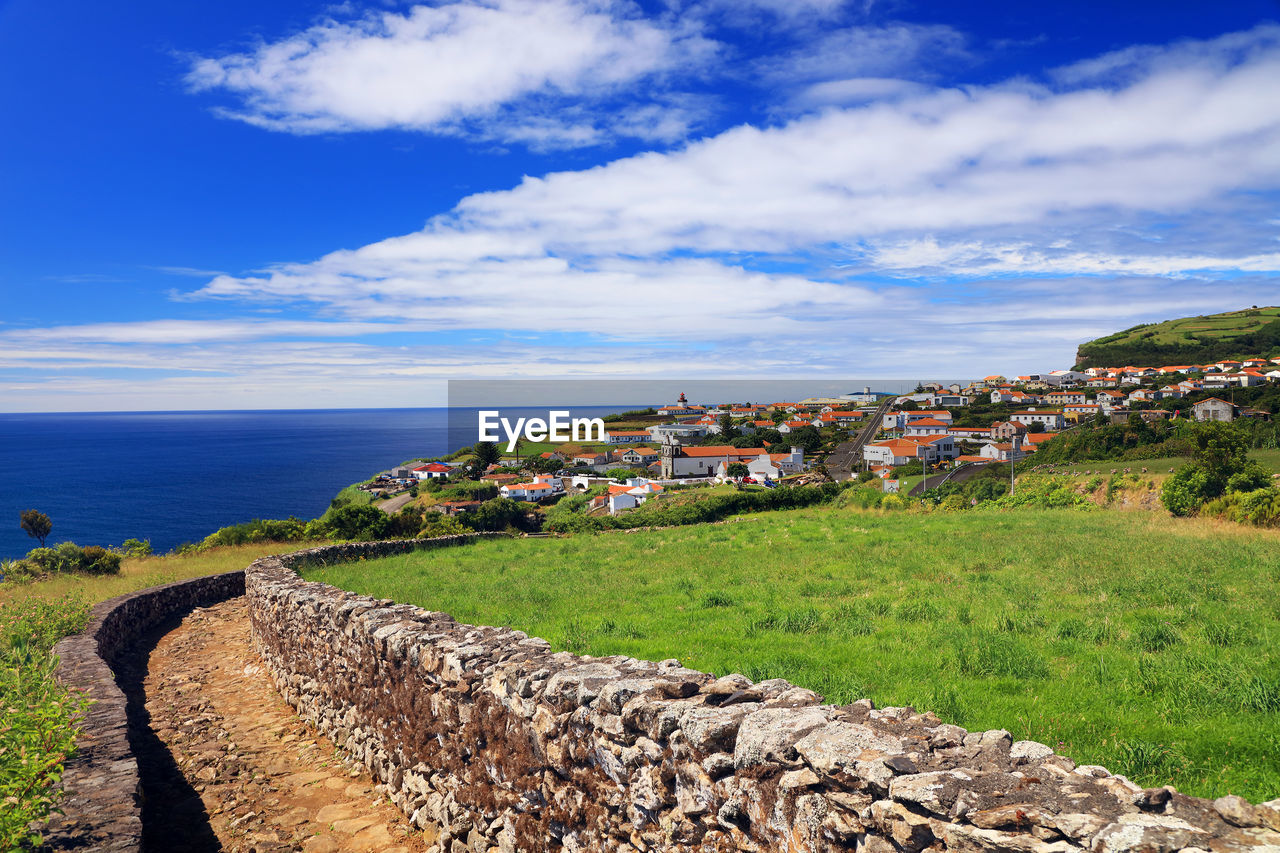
{"x":241,"y":205}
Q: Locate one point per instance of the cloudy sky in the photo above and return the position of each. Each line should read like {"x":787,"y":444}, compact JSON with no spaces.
{"x":248,"y":205}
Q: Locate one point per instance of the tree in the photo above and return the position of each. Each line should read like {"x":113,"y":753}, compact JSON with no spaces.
{"x":484,"y":454}
{"x":1035,"y":426}
{"x":737,"y":469}
{"x":357,"y":522}
{"x":36,"y":524}
{"x":806,"y":437}
{"x":1219,"y":463}
{"x":727,"y":430}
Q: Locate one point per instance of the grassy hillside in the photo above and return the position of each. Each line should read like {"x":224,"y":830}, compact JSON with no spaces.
{"x":1148,"y":644}
{"x":1188,"y":340}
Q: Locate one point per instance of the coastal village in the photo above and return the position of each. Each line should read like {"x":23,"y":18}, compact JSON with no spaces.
{"x":935,"y":428}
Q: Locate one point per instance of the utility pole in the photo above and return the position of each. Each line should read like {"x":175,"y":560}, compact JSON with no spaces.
{"x":1014,"y":444}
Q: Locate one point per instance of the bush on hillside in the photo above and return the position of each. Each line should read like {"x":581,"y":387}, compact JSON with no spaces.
{"x":260,"y":530}
{"x":1041,"y":492}
{"x":361,"y":523}
{"x":1219,"y":465}
{"x":66,"y":558}
{"x":1260,"y":507}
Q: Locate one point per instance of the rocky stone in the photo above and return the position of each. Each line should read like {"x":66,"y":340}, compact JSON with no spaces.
{"x":769,"y":735}
{"x":1028,"y":750}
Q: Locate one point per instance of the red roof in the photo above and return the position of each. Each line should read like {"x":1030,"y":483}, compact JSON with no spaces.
{"x":722,"y":450}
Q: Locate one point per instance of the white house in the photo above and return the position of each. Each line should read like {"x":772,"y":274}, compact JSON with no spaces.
{"x":543,"y":486}
{"x":634,"y":492}
{"x":1051,"y":420}
{"x":684,"y":431}
{"x":1002,"y":452}
{"x":900,"y":451}
{"x":1213,"y":409}
{"x":1145,"y":395}
{"x":1062,"y":398}
{"x":638,"y":455}
{"x":1109,"y":400}
{"x":680,"y":461}
{"x":592,"y":458}
{"x":1065,"y":378}
{"x":432,"y":471}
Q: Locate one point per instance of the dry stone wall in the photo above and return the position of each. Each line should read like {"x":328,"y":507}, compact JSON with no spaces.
{"x":488,"y":738}
{"x":101,"y":809}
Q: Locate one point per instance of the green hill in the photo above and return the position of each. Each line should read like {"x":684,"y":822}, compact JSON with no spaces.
{"x":1252,"y":332}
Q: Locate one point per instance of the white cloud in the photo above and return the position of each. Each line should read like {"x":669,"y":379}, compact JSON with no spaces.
{"x":936,"y":181}
{"x":739,"y":252}
{"x":890,"y":50}
{"x":1216,"y":55}
{"x":856,"y":90}
{"x":500,"y":68}
{"x":976,"y":259}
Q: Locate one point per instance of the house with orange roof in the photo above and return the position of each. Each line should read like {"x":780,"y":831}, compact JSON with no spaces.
{"x":631,"y":494}
{"x":917,"y":427}
{"x":679,"y":409}
{"x":1035,"y":439}
{"x":1109,"y":400}
{"x":1006,"y":430}
{"x":630,"y":436}
{"x":994,"y":380}
{"x":593,"y":458}
{"x":795,"y":424}
{"x":702,"y":461}
{"x":1077,"y":412}
{"x":969,"y":433}
{"x":1002,"y":451}
{"x":638,"y":455}
{"x":1062,"y":398}
{"x":900,"y":451}
{"x":542,"y":487}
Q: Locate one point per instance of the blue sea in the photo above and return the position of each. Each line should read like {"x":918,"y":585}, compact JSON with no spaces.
{"x":175,"y":477}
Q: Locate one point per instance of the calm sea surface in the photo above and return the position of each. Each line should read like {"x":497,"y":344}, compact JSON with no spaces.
{"x":174,"y":477}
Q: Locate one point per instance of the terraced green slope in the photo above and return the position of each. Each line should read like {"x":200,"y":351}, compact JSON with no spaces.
{"x":1188,"y":340}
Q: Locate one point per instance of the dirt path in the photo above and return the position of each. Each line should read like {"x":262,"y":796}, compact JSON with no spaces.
{"x":227,"y":765}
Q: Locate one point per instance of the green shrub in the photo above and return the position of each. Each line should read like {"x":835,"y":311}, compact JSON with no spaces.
{"x":136,"y":548}
{"x":40,"y":720}
{"x":362,"y":523}
{"x":69,"y":558}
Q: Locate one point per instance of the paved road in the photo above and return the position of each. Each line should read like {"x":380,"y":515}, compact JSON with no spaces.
{"x":393,"y":505}
{"x":967,"y":473}
{"x":847,"y":456}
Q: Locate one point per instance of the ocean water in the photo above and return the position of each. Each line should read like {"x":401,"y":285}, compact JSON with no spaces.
{"x":175,"y":477}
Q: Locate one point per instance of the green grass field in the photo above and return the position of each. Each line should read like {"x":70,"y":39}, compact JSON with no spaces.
{"x":1150,"y":645}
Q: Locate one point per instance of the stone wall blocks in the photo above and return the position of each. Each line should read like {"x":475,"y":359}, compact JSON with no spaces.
{"x":712,"y":729}
{"x":769,"y":735}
